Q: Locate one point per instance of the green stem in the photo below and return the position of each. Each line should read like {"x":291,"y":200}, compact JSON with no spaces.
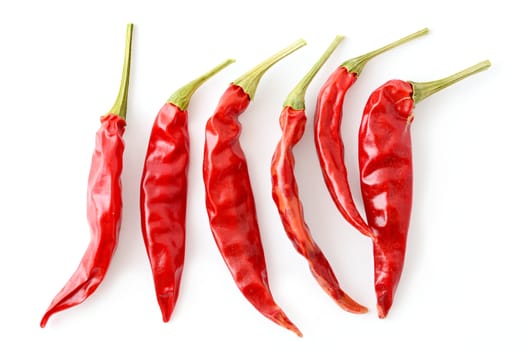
{"x":249,"y":81}
{"x":119,"y":107}
{"x":181,"y":97}
{"x":355,"y":65}
{"x":423,"y":90}
{"x":296,"y":98}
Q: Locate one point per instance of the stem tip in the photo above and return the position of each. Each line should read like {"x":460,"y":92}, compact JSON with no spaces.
{"x":356,"y":65}
{"x":249,"y":81}
{"x":181,"y":97}
{"x":296,"y":98}
{"x":423,"y":90}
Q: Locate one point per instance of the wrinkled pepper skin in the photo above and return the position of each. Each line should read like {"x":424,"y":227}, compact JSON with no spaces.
{"x":386,"y":175}
{"x":231,"y":206}
{"x":104,"y":199}
{"x":328,"y":141}
{"x":163,"y":192}
{"x":385,"y":164}
{"x":285,"y":195}
{"x":104,"y":216}
{"x":163,"y":203}
{"x":330,"y":147}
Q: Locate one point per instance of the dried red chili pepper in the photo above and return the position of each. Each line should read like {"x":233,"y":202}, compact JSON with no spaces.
{"x":104,"y":200}
{"x":285,"y":189}
{"x":385,"y":163}
{"x":328,"y":140}
{"x":229,"y":197}
{"x":163,"y":193}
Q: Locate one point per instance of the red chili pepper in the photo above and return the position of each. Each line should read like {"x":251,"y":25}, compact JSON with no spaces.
{"x":104,"y":201}
{"x":163,"y":193}
{"x":229,"y":197}
{"x":285,"y":189}
{"x":328,"y":140}
{"x":385,"y":163}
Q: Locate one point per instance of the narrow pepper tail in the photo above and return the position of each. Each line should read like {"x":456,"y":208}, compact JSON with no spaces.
{"x":389,"y":264}
{"x":384,"y":303}
{"x":281,"y":319}
{"x":69,"y":297}
{"x":259,"y":295}
{"x":325,"y":276}
{"x":167,"y":303}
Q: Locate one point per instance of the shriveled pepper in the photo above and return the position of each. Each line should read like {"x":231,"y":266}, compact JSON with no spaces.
{"x":285,"y":189}
{"x":328,"y":140}
{"x":163,"y":193}
{"x":104,"y":200}
{"x":229,"y":197}
{"x":385,"y":164}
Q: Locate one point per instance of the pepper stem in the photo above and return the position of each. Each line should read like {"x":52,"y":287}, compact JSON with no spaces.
{"x":249,"y":81}
{"x":181,"y":97}
{"x":119,"y":107}
{"x":423,"y":90}
{"x":296,"y":98}
{"x":355,"y":65}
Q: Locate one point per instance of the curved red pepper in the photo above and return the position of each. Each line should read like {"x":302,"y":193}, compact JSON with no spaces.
{"x":229,"y":197}
{"x":385,"y":158}
{"x":285,"y":189}
{"x":285,"y":195}
{"x":330,"y":147}
{"x":385,"y":163}
{"x":328,"y":140}
{"x":163,"y":193}
{"x":104,"y":202}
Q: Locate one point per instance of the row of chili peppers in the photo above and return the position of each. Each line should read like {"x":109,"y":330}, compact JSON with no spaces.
{"x":385,"y":168}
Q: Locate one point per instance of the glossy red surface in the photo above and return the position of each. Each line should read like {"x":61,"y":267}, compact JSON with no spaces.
{"x":104,"y":216}
{"x":330,"y":147}
{"x":231,"y":207}
{"x":285,"y":195}
{"x":385,"y":162}
{"x":163,"y":203}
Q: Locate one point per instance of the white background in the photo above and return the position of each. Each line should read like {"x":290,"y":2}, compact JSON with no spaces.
{"x":464,"y":283}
